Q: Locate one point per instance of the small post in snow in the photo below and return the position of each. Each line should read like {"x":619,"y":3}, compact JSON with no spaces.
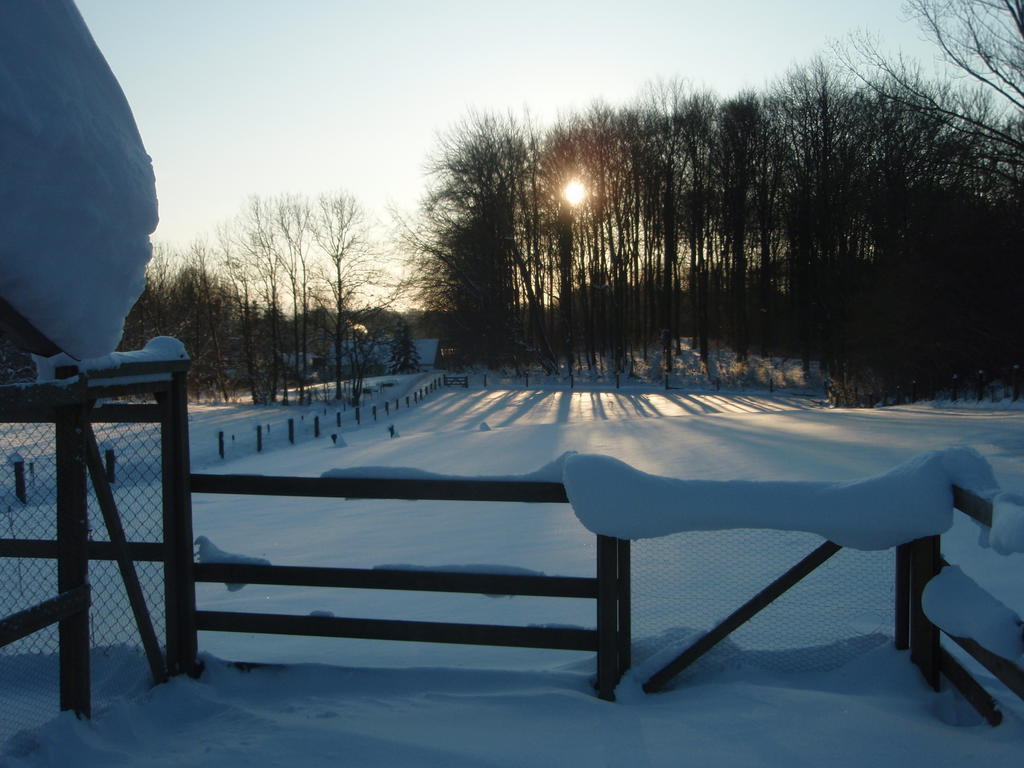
{"x":316,"y":426}
{"x":291,"y":431}
{"x":110,"y":465}
{"x":259,"y":438}
{"x":220,"y":444}
{"x":19,"y":478}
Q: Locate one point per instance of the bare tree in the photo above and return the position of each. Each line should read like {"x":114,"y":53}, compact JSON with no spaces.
{"x":293,"y":223}
{"x":983,"y":41}
{"x":257,"y":246}
{"x":341,"y":230}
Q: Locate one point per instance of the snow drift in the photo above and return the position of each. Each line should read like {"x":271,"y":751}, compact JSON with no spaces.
{"x":77,"y":192}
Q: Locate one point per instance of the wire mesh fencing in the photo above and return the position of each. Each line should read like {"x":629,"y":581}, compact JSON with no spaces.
{"x":29,"y":667}
{"x":686,"y":584}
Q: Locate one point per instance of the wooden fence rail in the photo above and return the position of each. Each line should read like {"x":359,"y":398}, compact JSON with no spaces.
{"x":610,"y":589}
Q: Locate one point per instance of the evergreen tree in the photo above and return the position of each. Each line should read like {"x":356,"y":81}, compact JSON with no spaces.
{"x":404,"y":357}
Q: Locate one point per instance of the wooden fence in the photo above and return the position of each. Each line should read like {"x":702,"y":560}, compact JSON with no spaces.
{"x":71,"y":407}
{"x":610,"y":589}
{"x":917,"y":562}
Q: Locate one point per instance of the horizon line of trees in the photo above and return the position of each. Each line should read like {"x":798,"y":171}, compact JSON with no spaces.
{"x":868,"y":219}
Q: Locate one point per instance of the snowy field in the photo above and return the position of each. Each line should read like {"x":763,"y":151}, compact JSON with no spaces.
{"x":367,"y":703}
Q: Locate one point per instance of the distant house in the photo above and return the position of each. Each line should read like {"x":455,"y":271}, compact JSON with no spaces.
{"x":427,"y":351}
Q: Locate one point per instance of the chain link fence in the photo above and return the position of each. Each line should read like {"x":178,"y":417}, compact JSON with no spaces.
{"x":686,"y":584}
{"x":29,"y":667}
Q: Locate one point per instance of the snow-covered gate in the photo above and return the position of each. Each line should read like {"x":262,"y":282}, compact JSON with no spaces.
{"x":609,"y":589}
{"x":916,"y":564}
{"x":93,"y":585}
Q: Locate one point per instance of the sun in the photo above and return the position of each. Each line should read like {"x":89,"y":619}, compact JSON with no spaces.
{"x":574,"y":192}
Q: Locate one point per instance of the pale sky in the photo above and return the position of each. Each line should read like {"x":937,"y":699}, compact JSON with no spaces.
{"x":242,"y":97}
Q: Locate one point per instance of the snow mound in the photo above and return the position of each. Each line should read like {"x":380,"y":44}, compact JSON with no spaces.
{"x":958,"y":606}
{"x":1007,"y":534}
{"x":208,"y":552}
{"x":912,"y":500}
{"x":77,"y":192}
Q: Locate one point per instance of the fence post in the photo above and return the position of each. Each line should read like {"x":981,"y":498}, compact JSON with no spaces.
{"x":179,"y":584}
{"x":316,"y":426}
{"x":110,"y":465}
{"x":625,"y":608}
{"x":220,"y":444}
{"x":613,"y":621}
{"x":259,"y":438}
{"x":924,"y":636}
{"x":337,"y":418}
{"x":72,"y":557}
{"x":19,"y":479}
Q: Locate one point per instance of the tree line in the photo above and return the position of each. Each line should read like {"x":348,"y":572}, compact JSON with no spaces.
{"x":288,"y":295}
{"x":861,"y":216}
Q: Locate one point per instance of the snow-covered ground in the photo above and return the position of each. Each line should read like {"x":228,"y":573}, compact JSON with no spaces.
{"x":377,"y":703}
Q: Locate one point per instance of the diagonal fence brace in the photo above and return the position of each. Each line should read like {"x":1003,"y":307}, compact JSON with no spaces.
{"x":125,"y":564}
{"x":741,"y":615}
